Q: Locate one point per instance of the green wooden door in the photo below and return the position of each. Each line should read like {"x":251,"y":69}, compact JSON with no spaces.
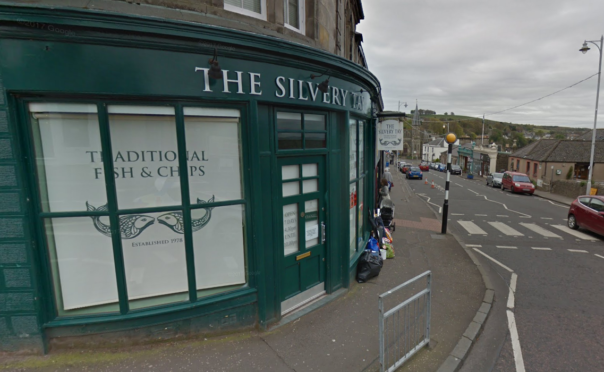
{"x":302,"y":210}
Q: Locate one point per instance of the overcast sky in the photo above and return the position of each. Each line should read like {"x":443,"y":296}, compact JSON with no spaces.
{"x":475,"y":57}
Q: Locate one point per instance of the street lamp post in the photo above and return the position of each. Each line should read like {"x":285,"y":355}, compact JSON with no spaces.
{"x":584,"y":49}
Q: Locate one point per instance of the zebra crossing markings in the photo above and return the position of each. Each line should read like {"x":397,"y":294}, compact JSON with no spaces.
{"x":574,"y":233}
{"x":577,"y":250}
{"x":507,"y":230}
{"x":540,"y":230}
{"x":472,"y":228}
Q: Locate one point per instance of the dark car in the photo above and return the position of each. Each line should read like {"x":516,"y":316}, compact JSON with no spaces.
{"x":494,"y":179}
{"x":517,"y":182}
{"x":414,"y":172}
{"x":587,"y":212}
{"x":455,"y":169}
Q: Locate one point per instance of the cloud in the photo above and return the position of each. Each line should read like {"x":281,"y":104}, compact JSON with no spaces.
{"x":475,"y":57}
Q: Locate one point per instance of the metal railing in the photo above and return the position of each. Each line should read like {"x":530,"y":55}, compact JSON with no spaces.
{"x":405,"y":328}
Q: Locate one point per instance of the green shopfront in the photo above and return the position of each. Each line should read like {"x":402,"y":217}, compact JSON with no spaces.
{"x":141,"y":197}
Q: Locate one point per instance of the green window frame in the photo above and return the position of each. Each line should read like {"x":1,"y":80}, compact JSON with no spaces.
{"x":310,"y":128}
{"x":112,"y":214}
{"x":358,"y":185}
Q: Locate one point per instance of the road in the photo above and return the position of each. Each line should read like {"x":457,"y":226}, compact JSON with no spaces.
{"x":553,"y":274}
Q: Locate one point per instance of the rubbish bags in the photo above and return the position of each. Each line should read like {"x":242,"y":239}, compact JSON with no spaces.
{"x":369,"y":266}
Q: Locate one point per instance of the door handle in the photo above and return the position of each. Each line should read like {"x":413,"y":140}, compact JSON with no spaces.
{"x":322,"y":232}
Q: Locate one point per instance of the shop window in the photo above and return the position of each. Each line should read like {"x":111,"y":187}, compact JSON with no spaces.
{"x":143,"y":199}
{"x":294,"y":14}
{"x":357,"y":176}
{"x":298,"y":131}
{"x":252,"y":8}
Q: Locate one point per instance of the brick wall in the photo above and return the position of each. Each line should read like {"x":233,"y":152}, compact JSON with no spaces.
{"x":19,"y":320}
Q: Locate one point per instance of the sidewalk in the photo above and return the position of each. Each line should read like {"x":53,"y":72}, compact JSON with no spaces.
{"x":339,"y":336}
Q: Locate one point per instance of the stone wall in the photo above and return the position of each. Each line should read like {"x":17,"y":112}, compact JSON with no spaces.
{"x":503,"y":161}
{"x":572,"y":189}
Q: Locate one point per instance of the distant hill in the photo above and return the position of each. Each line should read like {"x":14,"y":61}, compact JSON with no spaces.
{"x":496,"y":130}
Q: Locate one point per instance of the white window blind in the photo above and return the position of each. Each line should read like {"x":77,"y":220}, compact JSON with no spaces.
{"x":251,"y":5}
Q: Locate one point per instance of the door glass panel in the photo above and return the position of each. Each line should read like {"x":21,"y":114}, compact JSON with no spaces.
{"x":289,"y":121}
{"x":310,"y":186}
{"x":309,"y":170}
{"x":143,"y":140}
{"x":154,"y":256}
{"x":290,"y":171}
{"x":68,"y":156}
{"x":597,"y":204}
{"x":311,"y":217}
{"x":291,"y":188}
{"x":290,"y":229}
{"x":290,"y":141}
{"x":314,"y":122}
{"x":353,"y":219}
{"x":316,"y":140}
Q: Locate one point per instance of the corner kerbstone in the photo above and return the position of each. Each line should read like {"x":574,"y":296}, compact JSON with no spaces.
{"x":480,"y":317}
{"x":472,"y":331}
{"x":488,"y":296}
{"x":462,"y":347}
{"x":452,"y":364}
{"x":484,"y":308}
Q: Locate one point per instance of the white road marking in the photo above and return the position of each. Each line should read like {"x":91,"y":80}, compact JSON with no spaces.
{"x":558,"y":205}
{"x":458,"y":184}
{"x":440,"y":209}
{"x":456,"y":214}
{"x":502,"y":215}
{"x":472,"y":228}
{"x":546,"y":218}
{"x":512,"y":291}
{"x":483,"y":215}
{"x":472,"y":191}
{"x":473,"y":245}
{"x":574,"y":233}
{"x":598,"y":255}
{"x":494,"y":260}
{"x":541,"y":249}
{"x":577,"y":250}
{"x":506,"y":247}
{"x":507,"y":230}
{"x":540,"y":230}
{"x":515,"y":342}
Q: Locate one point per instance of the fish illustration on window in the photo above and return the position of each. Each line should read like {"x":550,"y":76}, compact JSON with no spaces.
{"x":131,"y":225}
{"x":175,"y":222}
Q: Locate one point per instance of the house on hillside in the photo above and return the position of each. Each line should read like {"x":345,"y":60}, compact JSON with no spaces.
{"x":434,"y":148}
{"x":549,"y":160}
{"x":587,"y":135}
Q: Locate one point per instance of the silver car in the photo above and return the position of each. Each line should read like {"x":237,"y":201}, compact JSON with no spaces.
{"x":494,"y":179}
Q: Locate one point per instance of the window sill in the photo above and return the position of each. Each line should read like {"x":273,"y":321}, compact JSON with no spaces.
{"x":300,"y":31}
{"x":249,"y":13}
{"x":157,"y":311}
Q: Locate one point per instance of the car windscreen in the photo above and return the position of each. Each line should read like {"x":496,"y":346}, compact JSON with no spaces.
{"x":414,"y":169}
{"x":455,"y":167}
{"x":521,"y":179}
{"x":497,"y":175}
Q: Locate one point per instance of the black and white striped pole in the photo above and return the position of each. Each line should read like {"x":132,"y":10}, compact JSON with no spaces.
{"x":450,"y":139}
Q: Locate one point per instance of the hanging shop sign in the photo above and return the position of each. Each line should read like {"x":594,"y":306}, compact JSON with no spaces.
{"x":390,"y":135}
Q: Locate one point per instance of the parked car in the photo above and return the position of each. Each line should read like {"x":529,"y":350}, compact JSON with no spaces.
{"x":405,"y":168}
{"x":442,"y":167}
{"x":494,"y":179}
{"x":414,"y":172}
{"x":587,"y":212}
{"x":424,"y":167}
{"x":517,"y":182}
{"x":455,"y":169}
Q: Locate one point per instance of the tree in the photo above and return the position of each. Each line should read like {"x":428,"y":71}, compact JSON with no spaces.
{"x":569,"y":174}
{"x":446,"y":113}
{"x":539,"y":133}
{"x":452,"y":113}
{"x":472,"y":136}
{"x":559,"y":136}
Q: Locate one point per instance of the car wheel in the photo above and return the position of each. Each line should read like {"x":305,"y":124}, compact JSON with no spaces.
{"x":572,"y":222}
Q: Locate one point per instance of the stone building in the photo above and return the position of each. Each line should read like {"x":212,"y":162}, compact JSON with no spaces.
{"x":172,"y":167}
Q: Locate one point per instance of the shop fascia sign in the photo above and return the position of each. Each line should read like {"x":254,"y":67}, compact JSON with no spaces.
{"x":286,"y":88}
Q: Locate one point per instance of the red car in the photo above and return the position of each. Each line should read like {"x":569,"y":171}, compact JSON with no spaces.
{"x":587,"y":212}
{"x":424,"y":167}
{"x":517,"y":182}
{"x":405,"y":168}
